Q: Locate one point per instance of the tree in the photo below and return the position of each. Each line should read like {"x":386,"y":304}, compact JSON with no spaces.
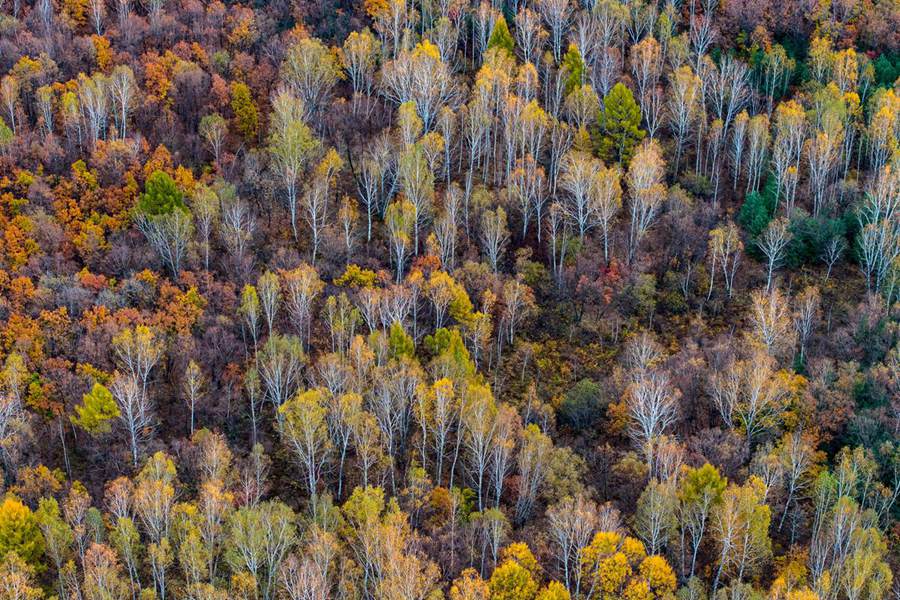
{"x":725,"y":249}
{"x":122,"y":90}
{"x":683,"y":107}
{"x":292,"y":146}
{"x":557,"y":14}
{"x":501,"y":38}
{"x":310,"y":70}
{"x":653,"y":407}
{"x":494,"y":235}
{"x":512,"y":581}
{"x":170,"y":235}
{"x":260,"y":537}
{"x":17,"y":579}
{"x":205,"y":208}
{"x":699,"y":493}
{"x":301,"y":288}
{"x":400,"y":217}
{"x":532,"y":462}
{"x":58,"y":537}
{"x":135,"y":411}
{"x":646,"y":190}
{"x":573,"y":64}
{"x":281,"y":361}
{"x":740,"y":526}
{"x":572,"y":522}
{"x":246,"y":116}
{"x":479,"y":419}
{"x":137,"y":350}
{"x":269,"y":290}
{"x":750,"y":394}
{"x":619,"y":128}
{"x":771,"y":319}
{"x":419,"y":76}
{"x":213,"y":130}
{"x":469,"y":586}
{"x":358,"y":55}
{"x":304,"y":429}
{"x":161,"y":196}
{"x":879,"y":239}
{"x":97,"y":408}
{"x":193,"y":385}
{"x":618,"y":566}
{"x":19,"y":532}
{"x":805,"y":315}
{"x":772,"y":243}
{"x":655,"y":514}
{"x":579,"y":180}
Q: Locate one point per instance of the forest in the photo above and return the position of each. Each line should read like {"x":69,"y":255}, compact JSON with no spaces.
{"x":450,"y":299}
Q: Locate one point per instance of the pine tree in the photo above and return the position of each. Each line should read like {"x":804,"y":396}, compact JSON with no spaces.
{"x":573,"y":63}
{"x":619,"y":130}
{"x":161,"y":196}
{"x":501,"y":38}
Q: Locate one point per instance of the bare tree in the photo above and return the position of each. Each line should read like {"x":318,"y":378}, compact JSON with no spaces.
{"x":750,"y":394}
{"x":532,"y":461}
{"x":805,"y":315}
{"x":494,"y":235}
{"x":683,"y":106}
{"x":122,"y":90}
{"x":646,"y":190}
{"x":557,"y":14}
{"x":135,"y":411}
{"x":572,"y":523}
{"x":772,"y":243}
{"x":879,"y":221}
{"x":170,"y":235}
{"x":193,"y":385}
{"x":653,"y":408}
{"x":269,"y":291}
{"x":281,"y":360}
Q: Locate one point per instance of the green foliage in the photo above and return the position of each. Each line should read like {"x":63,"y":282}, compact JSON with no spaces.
{"x":161,"y":196}
{"x":501,"y":38}
{"x":449,"y":350}
{"x":703,"y":484}
{"x":400,"y":343}
{"x":758,"y":208}
{"x":96,"y":410}
{"x":887,"y":69}
{"x":573,"y":63}
{"x":582,"y":405}
{"x":810,"y":235}
{"x":19,"y":532}
{"x":620,"y":126}
{"x":6,"y":134}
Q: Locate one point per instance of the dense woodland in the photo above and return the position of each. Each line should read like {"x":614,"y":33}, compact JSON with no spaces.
{"x":439,"y":299}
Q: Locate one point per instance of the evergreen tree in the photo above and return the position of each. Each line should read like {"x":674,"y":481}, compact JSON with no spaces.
{"x":501,"y":38}
{"x":161,"y":196}
{"x":573,"y":63}
{"x":619,"y":130}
